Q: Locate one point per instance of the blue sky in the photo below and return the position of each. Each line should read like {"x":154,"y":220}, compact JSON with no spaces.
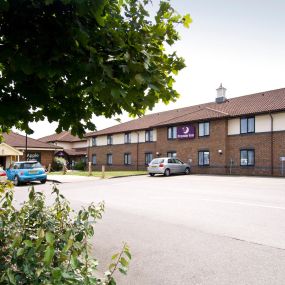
{"x":238,"y":43}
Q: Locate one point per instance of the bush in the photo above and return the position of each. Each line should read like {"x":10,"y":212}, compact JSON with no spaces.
{"x":58,"y":163}
{"x":42,"y":244}
{"x":80,"y":165}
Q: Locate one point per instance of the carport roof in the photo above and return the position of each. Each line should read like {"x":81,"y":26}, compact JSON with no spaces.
{"x":19,"y":141}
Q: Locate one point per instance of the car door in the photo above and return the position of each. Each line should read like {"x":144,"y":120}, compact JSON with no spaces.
{"x":171,"y":165}
{"x":180,"y":167}
{"x":10,"y":172}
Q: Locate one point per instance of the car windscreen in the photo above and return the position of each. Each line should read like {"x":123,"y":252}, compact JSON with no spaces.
{"x":30,"y":165}
{"x":157,"y":161}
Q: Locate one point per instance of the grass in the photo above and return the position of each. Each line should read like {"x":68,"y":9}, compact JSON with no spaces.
{"x":108,"y":174}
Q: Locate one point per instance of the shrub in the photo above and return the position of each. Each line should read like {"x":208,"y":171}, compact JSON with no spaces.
{"x":80,"y":165}
{"x":42,"y":244}
{"x":58,"y":163}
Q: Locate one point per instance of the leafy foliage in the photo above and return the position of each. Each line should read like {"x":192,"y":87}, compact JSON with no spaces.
{"x":80,"y":165}
{"x":42,"y":244}
{"x":67,"y":60}
{"x":58,"y":163}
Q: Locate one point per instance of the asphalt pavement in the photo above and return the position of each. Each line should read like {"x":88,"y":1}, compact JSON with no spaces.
{"x":189,"y":229}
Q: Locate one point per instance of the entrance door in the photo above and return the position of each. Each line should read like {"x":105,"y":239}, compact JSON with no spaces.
{"x":3,"y":162}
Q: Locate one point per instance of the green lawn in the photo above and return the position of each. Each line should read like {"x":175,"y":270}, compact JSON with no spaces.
{"x":108,"y":174}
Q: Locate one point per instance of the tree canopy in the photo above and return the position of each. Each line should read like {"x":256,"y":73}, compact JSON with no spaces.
{"x":68,"y":59}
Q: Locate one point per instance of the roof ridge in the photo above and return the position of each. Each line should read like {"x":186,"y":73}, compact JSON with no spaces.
{"x":196,"y":111}
{"x":225,"y":113}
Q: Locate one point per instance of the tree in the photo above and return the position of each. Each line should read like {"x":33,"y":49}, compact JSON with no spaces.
{"x":67,"y":60}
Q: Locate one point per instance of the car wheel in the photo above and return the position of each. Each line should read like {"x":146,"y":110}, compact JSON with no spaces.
{"x":43,"y":181}
{"x":151,"y":174}
{"x":187,"y":170}
{"x":16,"y":181}
{"x":167,"y":172}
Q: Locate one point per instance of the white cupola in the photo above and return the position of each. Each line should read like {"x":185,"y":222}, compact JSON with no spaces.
{"x":221,"y":94}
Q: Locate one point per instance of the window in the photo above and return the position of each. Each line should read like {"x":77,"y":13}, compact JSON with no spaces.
{"x":204,"y":129}
{"x":94,"y":143}
{"x":203,"y":158}
{"x":94,"y":159}
{"x":109,"y":159}
{"x":127,"y":159}
{"x":109,"y":140}
{"x":171,"y":154}
{"x":247,"y":125}
{"x":247,"y":157}
{"x":127,"y":137}
{"x":149,"y":135}
{"x":172,"y":133}
{"x":148,"y":157}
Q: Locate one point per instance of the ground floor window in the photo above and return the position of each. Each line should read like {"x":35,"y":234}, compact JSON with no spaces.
{"x":109,"y":159}
{"x":247,"y":157}
{"x":204,"y":158}
{"x":127,"y":159}
{"x":94,"y":159}
{"x":148,"y":157}
{"x":171,"y":154}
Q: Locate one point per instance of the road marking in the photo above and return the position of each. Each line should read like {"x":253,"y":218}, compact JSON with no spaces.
{"x":243,"y":204}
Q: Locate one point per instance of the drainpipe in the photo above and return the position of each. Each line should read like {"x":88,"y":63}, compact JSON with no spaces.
{"x":26,"y":149}
{"x":271,"y":132}
{"x":138,"y":139}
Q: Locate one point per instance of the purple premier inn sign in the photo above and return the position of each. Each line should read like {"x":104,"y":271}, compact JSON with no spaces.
{"x":186,"y":132}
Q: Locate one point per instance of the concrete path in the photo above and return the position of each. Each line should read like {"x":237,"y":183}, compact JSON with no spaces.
{"x":71,"y":178}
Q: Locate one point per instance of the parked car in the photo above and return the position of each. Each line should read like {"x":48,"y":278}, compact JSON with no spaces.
{"x":26,"y":171}
{"x":3,"y":175}
{"x":167,"y":166}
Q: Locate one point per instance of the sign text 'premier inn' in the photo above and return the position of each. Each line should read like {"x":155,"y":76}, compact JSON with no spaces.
{"x":186,"y":132}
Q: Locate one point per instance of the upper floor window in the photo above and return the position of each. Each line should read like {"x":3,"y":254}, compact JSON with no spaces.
{"x":149,"y":135}
{"x":94,"y":142}
{"x":247,"y":157}
{"x":171,"y":154}
{"x":172,"y":133}
{"x":109,"y":159}
{"x":148,"y":157}
{"x":127,"y":159}
{"x":94,"y":159}
{"x":127,"y":138}
{"x":203,"y":158}
{"x":109,"y":139}
{"x":247,"y":125}
{"x":204,"y":129}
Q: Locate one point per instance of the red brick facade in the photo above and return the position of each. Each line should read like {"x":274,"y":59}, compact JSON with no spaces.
{"x":224,"y":151}
{"x":46,"y":156}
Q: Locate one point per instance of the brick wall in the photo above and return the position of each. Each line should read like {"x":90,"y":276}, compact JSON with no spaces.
{"x":186,"y":149}
{"x":46,"y":156}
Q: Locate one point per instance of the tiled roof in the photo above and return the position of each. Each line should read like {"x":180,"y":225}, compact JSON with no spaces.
{"x":76,"y":151}
{"x":61,"y":137}
{"x":263,"y":102}
{"x":17,"y":140}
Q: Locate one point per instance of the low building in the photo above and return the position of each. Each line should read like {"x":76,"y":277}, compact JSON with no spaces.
{"x":243,"y":135}
{"x":13,"y":148}
{"x":73,"y":150}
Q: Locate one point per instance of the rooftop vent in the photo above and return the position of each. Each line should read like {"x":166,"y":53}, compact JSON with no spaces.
{"x":221,"y":94}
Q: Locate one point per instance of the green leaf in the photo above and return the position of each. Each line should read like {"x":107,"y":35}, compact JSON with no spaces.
{"x":124,"y":262}
{"x":115,"y":256}
{"x":49,"y":253}
{"x":50,"y":238}
{"x":187,"y":20}
{"x":11,"y":276}
{"x":28,"y":243}
{"x":56,"y":273}
{"x":20,"y":251}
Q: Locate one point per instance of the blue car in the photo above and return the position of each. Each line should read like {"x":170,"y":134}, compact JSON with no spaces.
{"x":26,"y":171}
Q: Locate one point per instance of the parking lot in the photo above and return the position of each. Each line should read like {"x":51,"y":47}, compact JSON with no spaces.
{"x":194,"y":229}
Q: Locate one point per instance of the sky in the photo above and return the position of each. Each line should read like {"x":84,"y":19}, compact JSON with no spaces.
{"x":239,"y":43}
